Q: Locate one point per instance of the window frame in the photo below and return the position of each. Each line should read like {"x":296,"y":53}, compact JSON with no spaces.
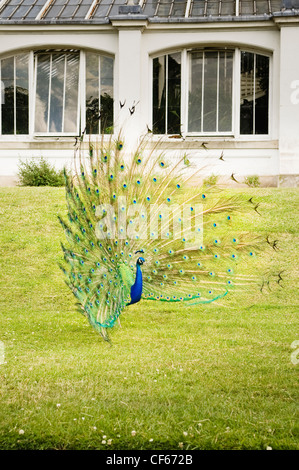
{"x":270,"y":99}
{"x":186,"y":91}
{"x":81,"y":113}
{"x":236,"y":89}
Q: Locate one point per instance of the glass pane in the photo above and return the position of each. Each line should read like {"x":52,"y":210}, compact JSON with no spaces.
{"x":159,"y":95}
{"x":195,"y":92}
{"x":246,"y":7}
{"x":261,"y":94}
{"x":210,"y":92}
{"x":92,"y":93}
{"x":198,"y":8}
{"x":57,"y":86}
{"x":106,"y":95}
{"x":228,"y":8}
{"x":247,"y":92}
{"x":174,"y":94}
{"x":22,"y":95}
{"x":71,"y":93}
{"x":7,"y":78}
{"x":213,"y":8}
{"x":225,"y":91}
{"x":262,"y":6}
{"x":179,"y":8}
{"x":164,"y":8}
{"x":42,"y":92}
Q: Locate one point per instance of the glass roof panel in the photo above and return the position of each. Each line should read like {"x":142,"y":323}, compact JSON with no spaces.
{"x":77,"y":10}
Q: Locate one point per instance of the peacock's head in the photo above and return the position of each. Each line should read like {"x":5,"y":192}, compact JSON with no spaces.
{"x":140,"y":261}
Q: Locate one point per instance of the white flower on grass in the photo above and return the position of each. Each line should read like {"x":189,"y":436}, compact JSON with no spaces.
{"x":94,"y":428}
{"x":151,"y":440}
{"x":268,"y":448}
{"x":21,"y":431}
{"x":181,"y":445}
{"x":83,"y":418}
{"x":103,"y":442}
{"x":58,"y":405}
{"x":104,"y":437}
{"x":109,"y":442}
{"x":133,"y":433}
{"x":185,"y":433}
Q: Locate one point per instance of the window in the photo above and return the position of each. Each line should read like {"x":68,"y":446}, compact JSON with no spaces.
{"x":224,"y":92}
{"x":210,"y":92}
{"x":14,"y":110}
{"x":254,"y":93}
{"x":99,"y":94}
{"x":167,"y":94}
{"x":70,"y":90}
{"x":56,"y":92}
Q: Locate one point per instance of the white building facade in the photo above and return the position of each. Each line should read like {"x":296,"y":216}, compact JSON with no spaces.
{"x":209,"y":78}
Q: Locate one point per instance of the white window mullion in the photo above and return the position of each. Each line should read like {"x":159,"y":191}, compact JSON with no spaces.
{"x":64,"y":92}
{"x":236,"y":92}
{"x":166,"y":94}
{"x":99,"y":120}
{"x":184,"y":92}
{"x":31,"y":91}
{"x":49,"y":96}
{"x":15,"y":96}
{"x":253,"y":104}
{"x":202,"y":89}
{"x":81,"y":122}
{"x":217,"y":92}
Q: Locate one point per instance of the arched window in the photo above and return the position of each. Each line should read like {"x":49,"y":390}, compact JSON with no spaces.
{"x":224,"y":92}
{"x":71,"y":91}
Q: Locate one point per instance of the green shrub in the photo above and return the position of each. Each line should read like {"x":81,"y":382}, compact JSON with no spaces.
{"x":252,"y":181}
{"x":39,"y":172}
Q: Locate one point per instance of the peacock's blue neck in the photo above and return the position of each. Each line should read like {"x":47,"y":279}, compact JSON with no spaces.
{"x":136,"y":289}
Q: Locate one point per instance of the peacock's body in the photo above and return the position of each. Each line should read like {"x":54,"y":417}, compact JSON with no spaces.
{"x":137,"y":230}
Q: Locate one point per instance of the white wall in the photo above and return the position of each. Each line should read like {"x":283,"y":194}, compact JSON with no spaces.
{"x":133,"y":44}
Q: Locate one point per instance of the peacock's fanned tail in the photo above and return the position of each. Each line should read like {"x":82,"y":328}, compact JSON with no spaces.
{"x":120,"y":203}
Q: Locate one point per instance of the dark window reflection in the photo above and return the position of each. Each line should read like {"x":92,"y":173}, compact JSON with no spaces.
{"x":254,"y":107}
{"x":14,"y":94}
{"x":159,"y":95}
{"x":99,"y":94}
{"x":167,"y":94}
{"x":174,"y":94}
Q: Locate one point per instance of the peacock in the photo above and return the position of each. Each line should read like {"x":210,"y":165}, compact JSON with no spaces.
{"x":144,"y":226}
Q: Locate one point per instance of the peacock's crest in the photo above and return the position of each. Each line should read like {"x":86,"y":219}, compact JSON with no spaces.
{"x":141,"y":224}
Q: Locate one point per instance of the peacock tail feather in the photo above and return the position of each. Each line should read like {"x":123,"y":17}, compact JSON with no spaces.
{"x":122,"y":203}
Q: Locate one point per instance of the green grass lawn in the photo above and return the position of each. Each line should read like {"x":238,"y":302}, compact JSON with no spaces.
{"x":205,"y":377}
